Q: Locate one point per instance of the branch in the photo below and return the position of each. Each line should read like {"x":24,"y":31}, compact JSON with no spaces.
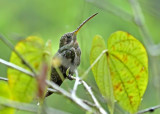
{"x":75,"y":84}
{"x":89,"y":103}
{"x":151,"y":109}
{"x":9,"y":44}
{"x":4,"y":79}
{"x":75,"y":99}
{"x":88,"y":88}
{"x":11,"y":65}
{"x":53,"y":90}
{"x":49,"y":89}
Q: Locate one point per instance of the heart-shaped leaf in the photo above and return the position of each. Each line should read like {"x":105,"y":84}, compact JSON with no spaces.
{"x":128,"y":67}
{"x":101,"y":71}
{"x":24,"y":87}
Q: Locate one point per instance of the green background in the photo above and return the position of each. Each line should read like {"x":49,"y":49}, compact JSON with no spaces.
{"x":50,"y":19}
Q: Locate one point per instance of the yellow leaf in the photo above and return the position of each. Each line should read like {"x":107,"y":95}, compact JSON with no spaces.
{"x":129,"y":69}
{"x":24,"y":87}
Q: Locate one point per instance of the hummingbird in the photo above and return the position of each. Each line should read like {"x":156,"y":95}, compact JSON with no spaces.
{"x":68,"y":57}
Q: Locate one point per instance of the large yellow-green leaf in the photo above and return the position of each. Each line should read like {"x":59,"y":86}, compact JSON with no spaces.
{"x":101,"y":71}
{"x":24,"y":87}
{"x":128,"y":62}
{"x":6,"y":93}
{"x":128,"y":67}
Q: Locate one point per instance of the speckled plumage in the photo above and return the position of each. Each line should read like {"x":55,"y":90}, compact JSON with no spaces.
{"x":69,"y":53}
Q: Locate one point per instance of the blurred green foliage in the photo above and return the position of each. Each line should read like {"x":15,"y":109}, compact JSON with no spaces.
{"x":50,"y":19}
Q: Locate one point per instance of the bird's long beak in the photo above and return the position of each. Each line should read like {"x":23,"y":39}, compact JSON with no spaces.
{"x":77,"y":30}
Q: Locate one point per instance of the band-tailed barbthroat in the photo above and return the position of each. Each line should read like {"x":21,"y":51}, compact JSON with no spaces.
{"x":68,"y":57}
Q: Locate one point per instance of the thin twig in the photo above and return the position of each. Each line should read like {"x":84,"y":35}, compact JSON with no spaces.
{"x":75,"y":99}
{"x":97,"y":59}
{"x":89,"y":103}
{"x":9,"y":44}
{"x":75,"y":84}
{"x":49,"y":89}
{"x":52,"y":90}
{"x":89,"y":90}
{"x":11,"y":65}
{"x":4,"y":79}
{"x":151,"y":109}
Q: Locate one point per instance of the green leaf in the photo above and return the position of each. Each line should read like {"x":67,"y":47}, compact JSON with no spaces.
{"x":128,"y":67}
{"x":128,"y":62}
{"x":24,"y":87}
{"x":5,"y":93}
{"x":101,"y":71}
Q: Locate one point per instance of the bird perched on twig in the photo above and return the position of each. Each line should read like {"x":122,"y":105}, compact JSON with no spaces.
{"x":68,"y":57}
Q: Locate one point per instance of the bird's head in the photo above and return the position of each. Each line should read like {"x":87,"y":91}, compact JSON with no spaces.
{"x":71,"y":37}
